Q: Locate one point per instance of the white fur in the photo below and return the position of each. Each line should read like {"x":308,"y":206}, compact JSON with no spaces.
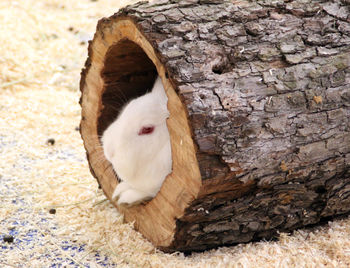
{"x":141,"y":161}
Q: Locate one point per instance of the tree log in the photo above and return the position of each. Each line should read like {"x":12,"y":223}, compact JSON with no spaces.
{"x":259,"y":103}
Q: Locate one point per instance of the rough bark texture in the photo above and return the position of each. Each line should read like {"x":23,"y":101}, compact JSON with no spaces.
{"x":266,"y":88}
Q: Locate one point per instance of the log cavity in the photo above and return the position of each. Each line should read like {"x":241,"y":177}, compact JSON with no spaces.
{"x":128,"y":73}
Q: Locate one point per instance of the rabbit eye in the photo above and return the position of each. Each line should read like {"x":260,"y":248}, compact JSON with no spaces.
{"x":146,"y":130}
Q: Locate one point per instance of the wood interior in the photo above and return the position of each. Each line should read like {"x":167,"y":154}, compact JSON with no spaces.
{"x":123,"y":66}
{"x":128,"y":73}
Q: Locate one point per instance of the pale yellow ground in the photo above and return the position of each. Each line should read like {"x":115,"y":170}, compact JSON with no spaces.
{"x":43,"y":48}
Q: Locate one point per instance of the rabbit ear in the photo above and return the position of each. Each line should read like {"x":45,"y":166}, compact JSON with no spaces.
{"x":158,"y":89}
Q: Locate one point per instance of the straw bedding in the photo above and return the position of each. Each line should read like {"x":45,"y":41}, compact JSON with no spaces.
{"x":43,"y":165}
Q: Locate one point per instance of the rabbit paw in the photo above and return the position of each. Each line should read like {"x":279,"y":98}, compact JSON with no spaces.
{"x":127,"y":196}
{"x":121,"y":187}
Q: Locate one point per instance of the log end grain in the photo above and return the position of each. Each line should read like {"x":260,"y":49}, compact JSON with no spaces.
{"x":123,"y":65}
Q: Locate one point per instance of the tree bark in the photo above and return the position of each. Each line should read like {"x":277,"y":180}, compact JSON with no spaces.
{"x":259,"y":102}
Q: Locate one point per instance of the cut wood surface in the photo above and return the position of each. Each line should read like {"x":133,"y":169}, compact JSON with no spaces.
{"x":259,"y":104}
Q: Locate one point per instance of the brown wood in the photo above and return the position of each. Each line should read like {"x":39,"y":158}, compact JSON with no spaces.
{"x":259,"y":103}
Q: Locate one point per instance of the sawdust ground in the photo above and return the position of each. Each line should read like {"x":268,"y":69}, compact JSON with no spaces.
{"x":43,"y":48}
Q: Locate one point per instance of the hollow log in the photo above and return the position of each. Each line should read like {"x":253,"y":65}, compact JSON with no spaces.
{"x":259,"y":103}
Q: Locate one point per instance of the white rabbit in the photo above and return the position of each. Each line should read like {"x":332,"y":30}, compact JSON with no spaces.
{"x":137,"y":144}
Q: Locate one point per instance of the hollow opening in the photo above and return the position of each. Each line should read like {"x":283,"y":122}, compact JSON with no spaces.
{"x":128,"y":73}
{"x":123,"y":65}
